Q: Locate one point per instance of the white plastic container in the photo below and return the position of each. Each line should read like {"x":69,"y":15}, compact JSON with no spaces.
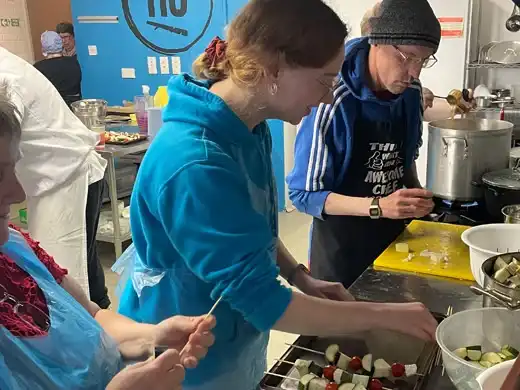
{"x":493,"y":378}
{"x":486,"y":241}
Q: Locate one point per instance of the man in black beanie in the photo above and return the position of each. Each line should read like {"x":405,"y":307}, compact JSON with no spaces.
{"x":355,"y":158}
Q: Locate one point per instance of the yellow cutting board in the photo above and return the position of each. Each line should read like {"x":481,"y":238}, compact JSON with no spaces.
{"x":424,"y":239}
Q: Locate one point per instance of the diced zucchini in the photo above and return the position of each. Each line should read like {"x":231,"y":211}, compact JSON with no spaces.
{"x":343,"y":361}
{"x":491,"y":357}
{"x":305,"y":380}
{"x":315,"y":369}
{"x":510,"y":352}
{"x":514,"y":280}
{"x":474,"y":352}
{"x":332,"y":353}
{"x":318,"y":384}
{"x":367,"y":362}
{"x":410,"y":370}
{"x":486,"y":364}
{"x":501,"y":275}
{"x":302,"y":366}
{"x":402,"y":247}
{"x":347,"y":386}
{"x":360,"y":380}
{"x":341,"y":376}
{"x":461,"y":352}
{"x":513,"y":268}
{"x":502,"y":356}
{"x":499,"y":264}
{"x":360,"y":387}
{"x":382,"y":369}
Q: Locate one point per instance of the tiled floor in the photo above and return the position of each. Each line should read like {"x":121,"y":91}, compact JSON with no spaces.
{"x":294,"y":231}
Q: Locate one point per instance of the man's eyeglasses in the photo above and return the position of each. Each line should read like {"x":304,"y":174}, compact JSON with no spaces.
{"x":25,"y":310}
{"x":424,"y":62}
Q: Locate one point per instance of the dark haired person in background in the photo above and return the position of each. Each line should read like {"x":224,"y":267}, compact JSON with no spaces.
{"x":63,"y":72}
{"x":66,"y":31}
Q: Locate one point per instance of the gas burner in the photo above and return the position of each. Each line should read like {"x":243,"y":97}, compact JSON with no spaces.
{"x":460,"y":213}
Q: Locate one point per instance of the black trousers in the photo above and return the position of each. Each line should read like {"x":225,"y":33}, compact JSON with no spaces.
{"x":96,"y":275}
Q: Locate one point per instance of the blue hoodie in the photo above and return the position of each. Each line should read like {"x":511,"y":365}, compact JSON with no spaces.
{"x":325,"y":137}
{"x":204,"y":223}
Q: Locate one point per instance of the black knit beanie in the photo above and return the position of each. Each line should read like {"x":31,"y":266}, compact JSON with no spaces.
{"x":405,"y":22}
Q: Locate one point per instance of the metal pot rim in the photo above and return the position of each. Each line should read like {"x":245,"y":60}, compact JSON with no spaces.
{"x":492,"y":259}
{"x":470,"y":126}
{"x":509,"y":183}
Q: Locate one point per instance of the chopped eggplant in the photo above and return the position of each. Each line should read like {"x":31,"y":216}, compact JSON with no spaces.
{"x":318,"y":384}
{"x":509,"y":351}
{"x":501,"y":275}
{"x":367,"y":362}
{"x":381,"y":369}
{"x":341,"y":376}
{"x":332,"y":353}
{"x":343,"y":361}
{"x":514,"y":280}
{"x":347,"y":386}
{"x":410,"y":370}
{"x":474,"y":352}
{"x":302,"y":366}
{"x":461,"y":352}
{"x":491,"y":357}
{"x":402,"y":247}
{"x":513,"y":268}
{"x":499,"y":264}
{"x":360,"y":380}
{"x":316,"y":369}
{"x":305,"y":381}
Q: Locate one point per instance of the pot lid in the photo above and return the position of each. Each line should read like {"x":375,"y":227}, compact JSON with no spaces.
{"x":505,"y":178}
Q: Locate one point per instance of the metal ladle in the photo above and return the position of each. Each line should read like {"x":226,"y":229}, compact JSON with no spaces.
{"x":513,"y":22}
{"x":452,"y":100}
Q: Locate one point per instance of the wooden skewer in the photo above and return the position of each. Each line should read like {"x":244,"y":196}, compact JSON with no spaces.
{"x":306,"y":349}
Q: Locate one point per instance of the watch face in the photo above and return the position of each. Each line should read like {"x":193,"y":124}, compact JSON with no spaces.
{"x":374,"y":211}
{"x":168,"y":26}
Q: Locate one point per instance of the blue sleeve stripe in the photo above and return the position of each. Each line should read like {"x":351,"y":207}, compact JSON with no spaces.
{"x":323,"y":151}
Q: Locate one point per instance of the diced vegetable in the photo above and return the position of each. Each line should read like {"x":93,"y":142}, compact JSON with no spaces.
{"x":318,"y":384}
{"x":402,"y":247}
{"x":474,"y":352}
{"x":328,"y":372}
{"x":347,"y":386}
{"x":360,"y":379}
{"x":499,"y":264}
{"x":360,"y":387}
{"x":332,"y":386}
{"x":501,"y":275}
{"x":491,"y":357}
{"x":510,"y":352}
{"x":398,"y":370}
{"x":410,"y":370}
{"x":513,"y":268}
{"x":502,"y":356}
{"x":332,"y":353}
{"x":316,"y":369}
{"x":461,"y":352}
{"x":381,"y":369}
{"x":375,"y":384}
{"x":302,"y":366}
{"x":367,"y":362}
{"x":341,"y":376}
{"x":343,"y":361}
{"x":486,"y":364}
{"x":305,"y":381}
{"x":355,"y":364}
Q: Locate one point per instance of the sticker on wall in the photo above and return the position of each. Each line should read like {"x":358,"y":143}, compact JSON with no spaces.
{"x":452,"y":27}
{"x":168,"y":26}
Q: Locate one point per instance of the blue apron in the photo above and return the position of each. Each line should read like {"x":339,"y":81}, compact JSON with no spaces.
{"x":75,"y":354}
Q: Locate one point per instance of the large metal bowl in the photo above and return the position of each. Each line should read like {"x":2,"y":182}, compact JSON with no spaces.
{"x":489,"y":327}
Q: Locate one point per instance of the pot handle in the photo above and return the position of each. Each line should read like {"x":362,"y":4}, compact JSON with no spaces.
{"x":446,"y":144}
{"x":497,"y":296}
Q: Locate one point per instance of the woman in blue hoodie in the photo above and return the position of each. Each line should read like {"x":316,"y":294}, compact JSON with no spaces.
{"x":204,"y":214}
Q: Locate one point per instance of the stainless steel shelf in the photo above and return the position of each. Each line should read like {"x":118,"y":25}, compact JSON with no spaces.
{"x":478,"y":65}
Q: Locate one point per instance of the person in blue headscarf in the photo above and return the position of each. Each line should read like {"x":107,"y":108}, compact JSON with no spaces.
{"x":62,"y":71}
{"x":204,"y":212}
{"x":52,"y":337}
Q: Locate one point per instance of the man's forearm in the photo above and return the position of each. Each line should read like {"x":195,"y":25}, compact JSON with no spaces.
{"x":337,"y":204}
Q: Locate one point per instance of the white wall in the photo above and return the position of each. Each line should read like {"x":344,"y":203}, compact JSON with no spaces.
{"x":16,"y":39}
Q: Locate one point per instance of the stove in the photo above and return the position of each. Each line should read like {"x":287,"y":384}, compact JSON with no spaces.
{"x":460,"y":213}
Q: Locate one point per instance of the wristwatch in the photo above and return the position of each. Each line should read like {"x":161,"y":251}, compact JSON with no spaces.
{"x":292,"y":275}
{"x":375,"y":210}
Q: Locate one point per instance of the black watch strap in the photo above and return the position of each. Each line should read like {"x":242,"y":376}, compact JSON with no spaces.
{"x":292,"y":275}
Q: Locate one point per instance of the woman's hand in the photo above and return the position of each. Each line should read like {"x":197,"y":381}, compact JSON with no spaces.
{"x":321,"y":289}
{"x":191,"y":335}
{"x":407,"y":203}
{"x":409,"y":318}
{"x":163,"y":373}
{"x":427,"y":97}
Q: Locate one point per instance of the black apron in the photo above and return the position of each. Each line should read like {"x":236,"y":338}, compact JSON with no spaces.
{"x":342,"y":247}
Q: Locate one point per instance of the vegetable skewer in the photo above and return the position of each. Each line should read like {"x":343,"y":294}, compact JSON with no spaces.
{"x":312,"y":382}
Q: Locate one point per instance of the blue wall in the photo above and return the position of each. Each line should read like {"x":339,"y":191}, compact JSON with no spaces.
{"x":118,"y":47}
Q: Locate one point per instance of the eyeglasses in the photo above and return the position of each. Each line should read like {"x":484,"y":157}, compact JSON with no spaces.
{"x":26,"y":310}
{"x":424,"y":62}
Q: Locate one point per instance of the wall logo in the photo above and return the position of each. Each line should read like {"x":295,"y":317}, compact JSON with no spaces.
{"x":168,"y":26}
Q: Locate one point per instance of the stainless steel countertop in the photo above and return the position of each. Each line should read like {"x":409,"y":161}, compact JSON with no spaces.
{"x":124,"y":150}
{"x":436,"y":293}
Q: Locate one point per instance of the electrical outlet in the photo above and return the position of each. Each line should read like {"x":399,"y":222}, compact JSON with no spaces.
{"x":176,"y":65}
{"x":165,"y":65}
{"x":152,"y":65}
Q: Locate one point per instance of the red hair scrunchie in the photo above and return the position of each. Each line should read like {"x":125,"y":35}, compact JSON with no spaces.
{"x":216,"y":51}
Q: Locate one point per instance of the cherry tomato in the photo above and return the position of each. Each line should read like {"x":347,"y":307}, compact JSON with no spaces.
{"x":328,"y":372}
{"x":398,"y":370}
{"x":332,"y":386}
{"x":375,"y":384}
{"x":355,"y":364}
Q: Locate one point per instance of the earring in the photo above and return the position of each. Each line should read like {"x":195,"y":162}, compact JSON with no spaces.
{"x":273,"y":89}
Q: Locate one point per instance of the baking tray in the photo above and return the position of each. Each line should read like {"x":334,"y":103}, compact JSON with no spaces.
{"x":391,"y":346}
